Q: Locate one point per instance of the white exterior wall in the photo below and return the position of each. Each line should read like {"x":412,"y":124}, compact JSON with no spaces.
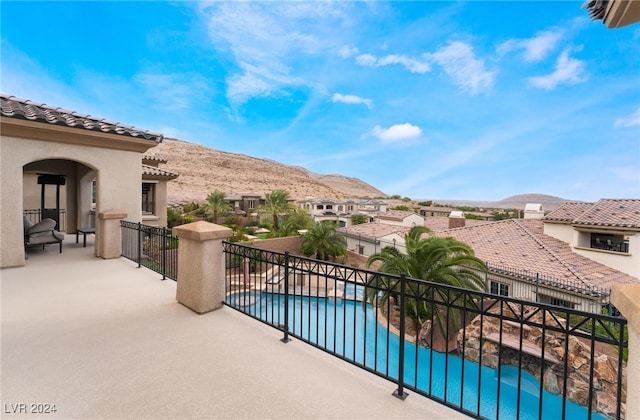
{"x":118,"y":175}
{"x":409,"y":221}
{"x":561,"y":231}
{"x":628,"y":263}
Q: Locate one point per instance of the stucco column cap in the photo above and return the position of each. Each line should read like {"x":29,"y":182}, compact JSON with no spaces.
{"x":202,"y":231}
{"x":112,"y":214}
{"x":626,"y":298}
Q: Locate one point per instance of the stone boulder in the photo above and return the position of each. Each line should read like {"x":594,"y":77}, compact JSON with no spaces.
{"x":500,"y":343}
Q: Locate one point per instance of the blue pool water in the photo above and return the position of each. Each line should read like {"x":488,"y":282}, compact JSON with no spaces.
{"x":365,"y":341}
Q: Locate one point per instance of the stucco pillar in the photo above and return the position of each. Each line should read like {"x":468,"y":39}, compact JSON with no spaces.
{"x":626,"y":298}
{"x":109,"y":234}
{"x":201,"y":273}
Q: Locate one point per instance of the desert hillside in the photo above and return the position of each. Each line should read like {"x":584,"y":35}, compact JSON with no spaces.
{"x":549,"y":202}
{"x":203,"y":170}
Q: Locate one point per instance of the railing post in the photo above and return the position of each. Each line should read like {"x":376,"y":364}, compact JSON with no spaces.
{"x":626,"y":299}
{"x":163,"y":249}
{"x":399,"y":393}
{"x":139,"y":244}
{"x":201,"y":268}
{"x":109,"y":234}
{"x":286,"y":338}
{"x":537,"y":287}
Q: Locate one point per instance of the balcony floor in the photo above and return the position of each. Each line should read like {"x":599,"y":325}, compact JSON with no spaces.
{"x":102,"y":339}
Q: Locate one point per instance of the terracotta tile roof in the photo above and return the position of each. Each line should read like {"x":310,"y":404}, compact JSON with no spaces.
{"x":623,"y":213}
{"x":437,"y":209}
{"x":520,"y":244}
{"x":568,"y":211}
{"x":374,"y":230}
{"x":157,"y":172}
{"x":154,"y":158}
{"x":438,"y":224}
{"x":398,"y":215}
{"x":12,"y":107}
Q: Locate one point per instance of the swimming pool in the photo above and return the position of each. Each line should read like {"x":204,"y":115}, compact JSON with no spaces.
{"x":367,"y":343}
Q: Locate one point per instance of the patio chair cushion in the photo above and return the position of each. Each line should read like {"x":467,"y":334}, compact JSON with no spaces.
{"x":45,"y":225}
{"x":41,"y":233}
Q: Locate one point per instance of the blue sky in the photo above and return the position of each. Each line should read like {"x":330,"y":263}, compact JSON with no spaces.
{"x":431,"y":100}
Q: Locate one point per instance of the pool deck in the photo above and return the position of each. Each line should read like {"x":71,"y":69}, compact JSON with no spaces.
{"x":102,"y":339}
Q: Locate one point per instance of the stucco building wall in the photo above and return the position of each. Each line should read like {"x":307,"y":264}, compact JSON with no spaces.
{"x":118,"y":174}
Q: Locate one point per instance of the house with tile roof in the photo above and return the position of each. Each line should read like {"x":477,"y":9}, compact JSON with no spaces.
{"x":607,"y":231}
{"x":401,"y":218}
{"x":369,"y":238}
{"x":341,"y":210}
{"x":526,"y":263}
{"x":523,"y":261}
{"x":41,"y":139}
{"x":154,"y":190}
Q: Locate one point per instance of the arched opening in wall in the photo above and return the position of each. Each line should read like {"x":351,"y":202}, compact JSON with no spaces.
{"x":60,"y":189}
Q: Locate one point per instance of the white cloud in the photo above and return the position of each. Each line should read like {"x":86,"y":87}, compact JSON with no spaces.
{"x":632,"y":120}
{"x":352,"y":99}
{"x":569,"y":71}
{"x":267,"y":40}
{"x":460,"y":63}
{"x":172,"y":91}
{"x":411,"y":64}
{"x":397,"y":133}
{"x":347,"y":51}
{"x":536,"y":48}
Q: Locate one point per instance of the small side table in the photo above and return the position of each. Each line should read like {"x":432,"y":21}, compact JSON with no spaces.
{"x":84,"y":232}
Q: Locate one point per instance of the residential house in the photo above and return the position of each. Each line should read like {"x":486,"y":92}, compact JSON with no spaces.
{"x":526,"y":263}
{"x":154,"y":190}
{"x":607,"y":231}
{"x":401,"y":218}
{"x":341,"y":210}
{"x":369,"y":238}
{"x":41,"y":139}
{"x":246,"y":203}
{"x":435,"y":211}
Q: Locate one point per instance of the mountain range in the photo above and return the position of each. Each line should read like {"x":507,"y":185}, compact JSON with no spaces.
{"x":203,"y":170}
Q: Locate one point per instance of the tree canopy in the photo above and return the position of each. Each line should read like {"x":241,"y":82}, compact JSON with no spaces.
{"x":217,"y":204}
{"x":322,"y":241}
{"x":277,"y":204}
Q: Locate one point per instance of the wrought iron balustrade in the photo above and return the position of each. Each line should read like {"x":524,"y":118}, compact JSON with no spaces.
{"x":485,"y":355}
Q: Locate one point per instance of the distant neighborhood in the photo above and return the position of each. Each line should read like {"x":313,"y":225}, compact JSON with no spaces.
{"x":569,"y":256}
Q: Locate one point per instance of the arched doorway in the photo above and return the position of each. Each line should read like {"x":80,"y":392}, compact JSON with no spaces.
{"x":77,"y":198}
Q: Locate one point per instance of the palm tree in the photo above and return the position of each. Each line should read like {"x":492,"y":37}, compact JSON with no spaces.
{"x":323,"y":241}
{"x":435,"y":259}
{"x":298,"y":220}
{"x":217,"y":204}
{"x":276,"y":204}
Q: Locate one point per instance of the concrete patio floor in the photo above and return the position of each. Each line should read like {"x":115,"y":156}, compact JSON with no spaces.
{"x":102,"y":339}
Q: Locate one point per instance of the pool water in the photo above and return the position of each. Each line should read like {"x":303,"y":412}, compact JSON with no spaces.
{"x":365,"y":342}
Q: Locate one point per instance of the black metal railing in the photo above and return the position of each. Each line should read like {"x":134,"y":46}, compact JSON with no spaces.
{"x":485,"y":355}
{"x":35,"y":215}
{"x":152,"y":247}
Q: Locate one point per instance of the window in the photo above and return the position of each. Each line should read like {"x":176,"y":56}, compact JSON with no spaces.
{"x":555,"y":301}
{"x":320,"y":207}
{"x":609,"y":242}
{"x":499,"y":288}
{"x":251,"y":204}
{"x":361,"y":249}
{"x":340,"y":208}
{"x":350,"y":208}
{"x":148,"y":198}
